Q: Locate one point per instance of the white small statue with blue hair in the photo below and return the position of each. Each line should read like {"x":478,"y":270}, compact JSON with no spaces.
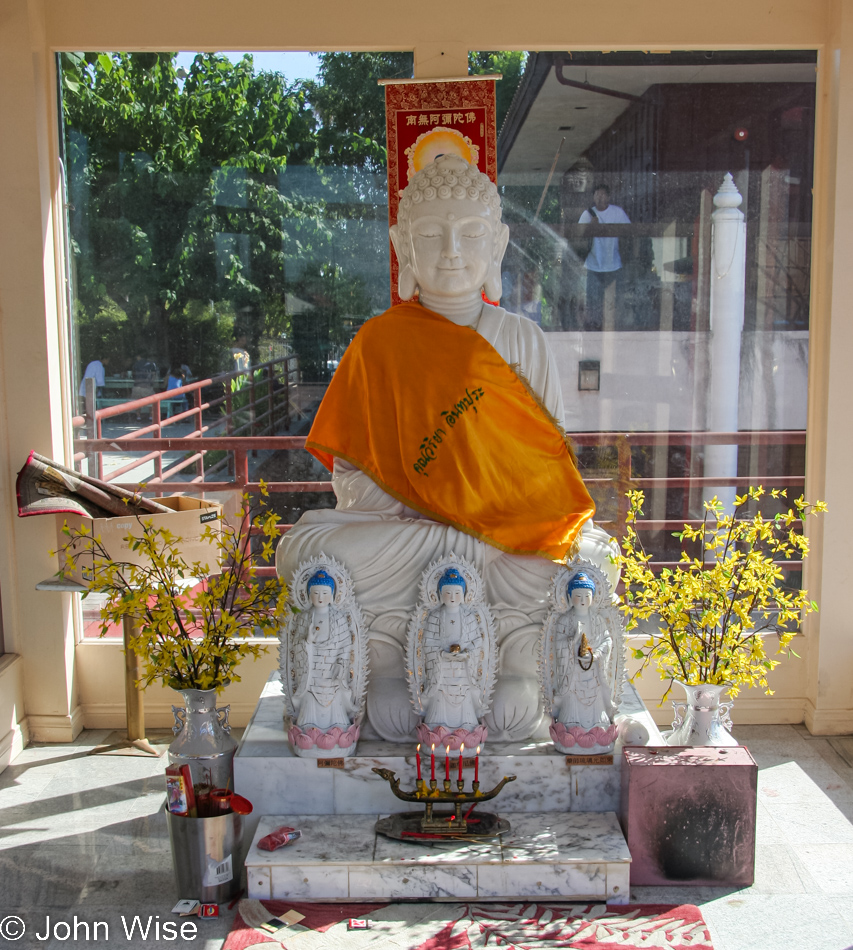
{"x":582,"y":661}
{"x":453,"y":657}
{"x":324,"y":661}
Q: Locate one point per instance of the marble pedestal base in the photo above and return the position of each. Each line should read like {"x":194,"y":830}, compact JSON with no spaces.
{"x":545,"y":855}
{"x":277,"y":782}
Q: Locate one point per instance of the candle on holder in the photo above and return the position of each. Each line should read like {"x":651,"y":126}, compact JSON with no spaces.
{"x":461,"y":753}
{"x":432,"y":763}
{"x":418,"y":760}
{"x":477,"y":766}
{"x":447,"y":763}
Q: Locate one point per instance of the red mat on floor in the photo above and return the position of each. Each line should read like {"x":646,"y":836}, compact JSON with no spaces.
{"x":437,"y":926}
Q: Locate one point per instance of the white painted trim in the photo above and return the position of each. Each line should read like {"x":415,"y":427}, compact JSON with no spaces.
{"x":828,"y":722}
{"x":13,"y":743}
{"x":768,"y":710}
{"x":465,"y":78}
{"x":12,"y":708}
{"x":55,"y":728}
{"x":8,"y":660}
{"x":157,"y":716}
{"x":758,"y":711}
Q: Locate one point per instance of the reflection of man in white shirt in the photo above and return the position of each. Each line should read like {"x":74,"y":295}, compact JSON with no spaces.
{"x":603,"y":263}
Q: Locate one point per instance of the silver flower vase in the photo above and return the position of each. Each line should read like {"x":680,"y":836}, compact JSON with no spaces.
{"x":203,"y":739}
{"x":702,"y":719}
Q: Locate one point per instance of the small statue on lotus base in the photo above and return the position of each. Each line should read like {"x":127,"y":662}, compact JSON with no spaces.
{"x":452,"y":656}
{"x":323,"y":661}
{"x":582,"y":661}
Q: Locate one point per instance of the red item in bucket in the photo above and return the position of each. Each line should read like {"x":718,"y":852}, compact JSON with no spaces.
{"x":240,"y":805}
{"x":220,"y":801}
{"x":179,"y":788}
{"x":279,"y":838}
{"x":202,"y":799}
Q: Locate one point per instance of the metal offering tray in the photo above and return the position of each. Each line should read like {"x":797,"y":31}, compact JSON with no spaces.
{"x":406,"y":826}
{"x":453,"y":823}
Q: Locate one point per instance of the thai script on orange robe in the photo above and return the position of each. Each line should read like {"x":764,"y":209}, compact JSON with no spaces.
{"x":436,"y":417}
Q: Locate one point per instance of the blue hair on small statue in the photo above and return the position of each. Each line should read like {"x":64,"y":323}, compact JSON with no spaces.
{"x":580,"y":581}
{"x":320,"y":579}
{"x":452,"y":576}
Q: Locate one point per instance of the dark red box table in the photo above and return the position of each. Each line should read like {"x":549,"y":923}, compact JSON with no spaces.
{"x":688,"y":814}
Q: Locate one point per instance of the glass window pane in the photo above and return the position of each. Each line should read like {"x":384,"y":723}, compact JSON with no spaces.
{"x":223,"y":215}
{"x":228,"y":231}
{"x":609,"y":165}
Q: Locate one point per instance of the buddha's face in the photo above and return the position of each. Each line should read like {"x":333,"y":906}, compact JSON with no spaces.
{"x":581,"y":597}
{"x":320,"y":594}
{"x":578,"y":180}
{"x":452,"y":245}
{"x":452,"y":595}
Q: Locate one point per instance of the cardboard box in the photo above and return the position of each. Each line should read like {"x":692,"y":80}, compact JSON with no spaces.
{"x":190,"y":517}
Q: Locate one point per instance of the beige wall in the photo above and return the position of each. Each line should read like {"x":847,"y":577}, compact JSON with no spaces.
{"x":100,"y":675}
{"x":13,"y":723}
{"x":64,"y":686}
{"x":830,"y":448}
{"x":100,"y":672}
{"x":38,"y":627}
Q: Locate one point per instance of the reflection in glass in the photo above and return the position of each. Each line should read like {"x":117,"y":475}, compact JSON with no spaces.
{"x":654,"y":136}
{"x":225,"y":219}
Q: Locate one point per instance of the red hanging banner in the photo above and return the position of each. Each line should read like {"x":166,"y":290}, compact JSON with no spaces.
{"x":428,"y":119}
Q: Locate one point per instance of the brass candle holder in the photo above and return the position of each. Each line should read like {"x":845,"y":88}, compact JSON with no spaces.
{"x":430,"y":795}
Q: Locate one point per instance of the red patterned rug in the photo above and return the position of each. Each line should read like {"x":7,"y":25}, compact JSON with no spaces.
{"x":439,"y":926}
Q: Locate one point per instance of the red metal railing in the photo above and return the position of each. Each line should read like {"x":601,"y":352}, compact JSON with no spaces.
{"x":253,"y":402}
{"x":625,"y":480}
{"x":241,"y":449}
{"x":622,"y":481}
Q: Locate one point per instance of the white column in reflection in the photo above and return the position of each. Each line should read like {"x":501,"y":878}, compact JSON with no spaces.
{"x":728,"y":271}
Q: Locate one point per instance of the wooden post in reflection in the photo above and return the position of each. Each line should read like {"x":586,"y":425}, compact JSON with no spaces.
{"x":624,"y":483}
{"x":134,"y":703}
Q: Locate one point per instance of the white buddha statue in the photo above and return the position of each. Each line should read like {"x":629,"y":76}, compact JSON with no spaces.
{"x":323,"y":661}
{"x":452,"y":648}
{"x":323,"y":696}
{"x":442,"y":427}
{"x":451,"y":656}
{"x":582,"y":662}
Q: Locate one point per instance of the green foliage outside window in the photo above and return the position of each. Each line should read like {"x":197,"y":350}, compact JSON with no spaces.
{"x":219,"y":199}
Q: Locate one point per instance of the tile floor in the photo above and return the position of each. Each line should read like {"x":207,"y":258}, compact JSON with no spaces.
{"x":85,"y":835}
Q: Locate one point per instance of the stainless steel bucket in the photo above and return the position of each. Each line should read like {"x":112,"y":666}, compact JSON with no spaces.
{"x":207,"y":856}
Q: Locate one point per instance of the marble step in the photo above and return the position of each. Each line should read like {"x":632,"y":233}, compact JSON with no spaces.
{"x":278,"y":782}
{"x":565,"y":856}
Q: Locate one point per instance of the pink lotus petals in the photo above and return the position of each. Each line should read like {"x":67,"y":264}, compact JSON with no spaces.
{"x":348,"y":738}
{"x":443,"y":738}
{"x":334,"y":738}
{"x":584,"y":738}
{"x":330,"y":739}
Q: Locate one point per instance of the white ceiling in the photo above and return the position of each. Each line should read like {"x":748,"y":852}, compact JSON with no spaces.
{"x":590,"y":113}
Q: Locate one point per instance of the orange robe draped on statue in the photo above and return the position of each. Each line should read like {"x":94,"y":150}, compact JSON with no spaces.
{"x":435,"y":416}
